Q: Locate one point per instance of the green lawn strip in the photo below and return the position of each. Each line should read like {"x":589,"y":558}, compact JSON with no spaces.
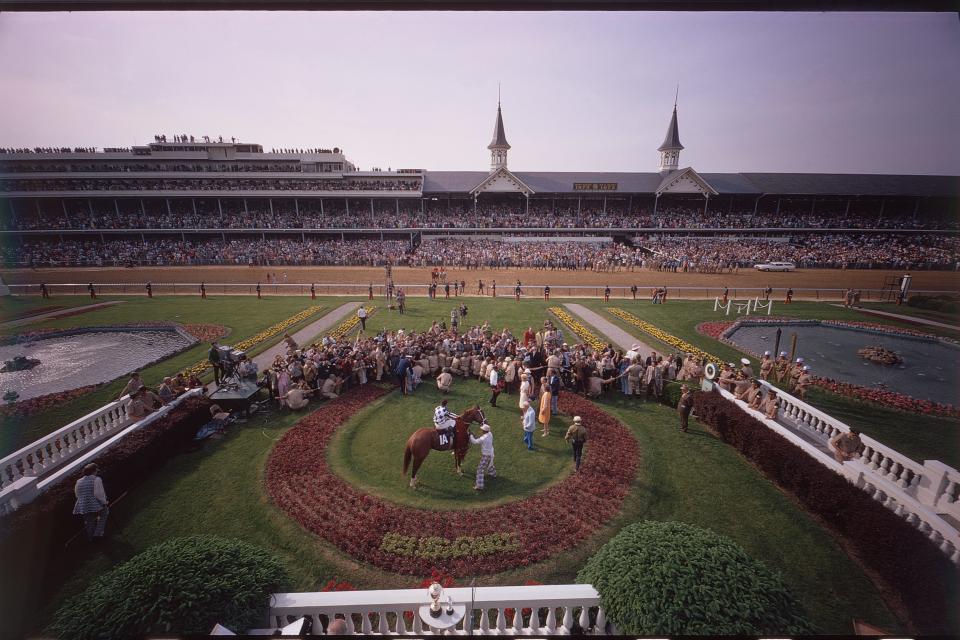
{"x":925,"y":314}
{"x":243,"y":315}
{"x":10,"y":306}
{"x":691,"y":477}
{"x":918,"y":436}
{"x":368,"y":451}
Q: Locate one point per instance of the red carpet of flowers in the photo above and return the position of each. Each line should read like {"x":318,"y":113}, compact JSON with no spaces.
{"x":300,"y":482}
{"x":42,"y":403}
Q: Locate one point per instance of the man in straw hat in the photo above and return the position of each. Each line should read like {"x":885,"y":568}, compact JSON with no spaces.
{"x":485,"y":465}
{"x":577,"y":437}
{"x":685,"y":406}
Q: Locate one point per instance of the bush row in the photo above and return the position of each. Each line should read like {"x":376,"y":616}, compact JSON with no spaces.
{"x":905,"y":560}
{"x":33,"y":539}
{"x":946,"y":304}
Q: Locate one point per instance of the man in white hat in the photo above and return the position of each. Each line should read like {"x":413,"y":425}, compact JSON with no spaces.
{"x":444,"y":381}
{"x":795,"y":370}
{"x":804,"y":380}
{"x":766,"y":366}
{"x":485,"y":466}
{"x":577,"y":437}
{"x":781,"y":366}
{"x":727,"y":377}
{"x":746,"y":369}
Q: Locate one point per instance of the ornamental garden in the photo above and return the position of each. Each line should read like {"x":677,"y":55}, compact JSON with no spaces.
{"x":315,"y":500}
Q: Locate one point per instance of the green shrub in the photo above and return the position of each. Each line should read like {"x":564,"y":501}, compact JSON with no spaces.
{"x":671,"y":393}
{"x":945,"y":304}
{"x":672,"y":578}
{"x":182,"y":586}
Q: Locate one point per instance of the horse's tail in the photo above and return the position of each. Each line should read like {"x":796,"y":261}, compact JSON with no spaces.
{"x":407,"y":455}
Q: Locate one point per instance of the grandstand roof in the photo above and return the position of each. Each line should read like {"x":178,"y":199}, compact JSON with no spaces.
{"x":723,"y":183}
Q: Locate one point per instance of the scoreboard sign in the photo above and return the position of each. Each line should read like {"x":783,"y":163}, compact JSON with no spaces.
{"x":594,"y":186}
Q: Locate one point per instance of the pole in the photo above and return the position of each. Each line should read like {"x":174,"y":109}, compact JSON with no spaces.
{"x":793,"y":346}
{"x":776,"y":345}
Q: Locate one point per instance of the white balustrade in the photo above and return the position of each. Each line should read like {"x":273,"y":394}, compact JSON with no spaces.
{"x":26,"y":473}
{"x":385,"y":611}
{"x":916,"y":492}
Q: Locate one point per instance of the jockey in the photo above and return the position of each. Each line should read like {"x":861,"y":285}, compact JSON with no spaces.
{"x":445,"y":421}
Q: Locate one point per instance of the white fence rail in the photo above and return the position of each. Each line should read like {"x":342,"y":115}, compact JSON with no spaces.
{"x":26,"y":473}
{"x":920,"y":493}
{"x":555,"y":610}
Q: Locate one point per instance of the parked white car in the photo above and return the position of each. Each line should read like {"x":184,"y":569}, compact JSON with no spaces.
{"x":775,"y":266}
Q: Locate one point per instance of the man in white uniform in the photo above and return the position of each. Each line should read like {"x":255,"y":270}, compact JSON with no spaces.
{"x":445,"y":422}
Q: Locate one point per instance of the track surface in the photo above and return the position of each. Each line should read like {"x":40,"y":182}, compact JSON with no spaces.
{"x":506,"y":278}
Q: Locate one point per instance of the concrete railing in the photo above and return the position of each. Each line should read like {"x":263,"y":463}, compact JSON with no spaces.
{"x":920,"y":493}
{"x":28,"y":472}
{"x":555,"y":610}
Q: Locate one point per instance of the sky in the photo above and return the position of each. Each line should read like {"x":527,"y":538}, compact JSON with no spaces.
{"x":805,"y":92}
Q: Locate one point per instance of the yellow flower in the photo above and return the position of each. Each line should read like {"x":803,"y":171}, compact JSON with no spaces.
{"x":581,"y":331}
{"x":663,"y":336}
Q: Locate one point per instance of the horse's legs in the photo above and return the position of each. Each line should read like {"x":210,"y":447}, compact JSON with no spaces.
{"x":417,"y":461}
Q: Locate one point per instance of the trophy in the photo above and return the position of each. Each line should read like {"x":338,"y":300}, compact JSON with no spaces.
{"x":435,"y":592}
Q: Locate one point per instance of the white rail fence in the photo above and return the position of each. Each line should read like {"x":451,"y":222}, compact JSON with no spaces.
{"x":556,"y":610}
{"x":26,"y":473}
{"x":919,"y":493}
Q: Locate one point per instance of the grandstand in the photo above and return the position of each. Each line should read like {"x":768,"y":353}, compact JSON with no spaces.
{"x":190,"y":200}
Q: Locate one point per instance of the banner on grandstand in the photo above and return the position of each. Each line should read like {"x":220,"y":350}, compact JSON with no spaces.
{"x":594,"y":186}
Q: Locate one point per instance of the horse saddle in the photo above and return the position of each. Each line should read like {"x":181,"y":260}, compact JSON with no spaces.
{"x":442,"y":440}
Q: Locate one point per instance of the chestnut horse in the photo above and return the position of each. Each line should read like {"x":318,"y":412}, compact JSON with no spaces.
{"x":423,"y":440}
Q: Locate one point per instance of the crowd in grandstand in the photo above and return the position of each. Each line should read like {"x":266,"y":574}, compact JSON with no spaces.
{"x":49,"y":150}
{"x":292,"y":166}
{"x":709,"y":255}
{"x":198,"y":184}
{"x":407,"y":215}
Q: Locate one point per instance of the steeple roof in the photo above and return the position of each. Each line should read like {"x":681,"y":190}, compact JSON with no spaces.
{"x":672,"y":141}
{"x":499,"y":137}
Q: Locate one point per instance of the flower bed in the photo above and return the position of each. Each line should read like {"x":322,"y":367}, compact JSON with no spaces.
{"x":415,"y":541}
{"x":206,"y":332}
{"x":32,"y":406}
{"x":254,"y":340}
{"x":663,"y":336}
{"x":349,"y":325}
{"x":909,"y":564}
{"x":582,"y":332}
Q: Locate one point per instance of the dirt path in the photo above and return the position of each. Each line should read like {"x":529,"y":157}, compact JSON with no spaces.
{"x":807,"y":283}
{"x":607,"y":328}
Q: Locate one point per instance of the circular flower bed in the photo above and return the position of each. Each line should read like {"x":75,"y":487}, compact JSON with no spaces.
{"x":414,"y":541}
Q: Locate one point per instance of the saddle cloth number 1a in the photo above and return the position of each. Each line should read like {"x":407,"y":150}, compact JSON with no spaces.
{"x":444,"y":440}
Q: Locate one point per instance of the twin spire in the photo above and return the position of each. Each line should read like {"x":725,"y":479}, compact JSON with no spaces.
{"x":669,"y":150}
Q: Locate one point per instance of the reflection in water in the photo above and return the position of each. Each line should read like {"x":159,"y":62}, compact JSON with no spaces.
{"x":929,"y":370}
{"x":68,"y":362}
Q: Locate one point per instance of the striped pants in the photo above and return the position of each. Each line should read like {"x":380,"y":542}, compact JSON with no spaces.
{"x":484,"y":467}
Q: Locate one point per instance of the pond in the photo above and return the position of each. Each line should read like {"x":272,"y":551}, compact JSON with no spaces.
{"x":929,"y":370}
{"x":81,"y":359}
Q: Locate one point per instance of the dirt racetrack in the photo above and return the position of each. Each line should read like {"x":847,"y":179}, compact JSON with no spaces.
{"x":806,"y":283}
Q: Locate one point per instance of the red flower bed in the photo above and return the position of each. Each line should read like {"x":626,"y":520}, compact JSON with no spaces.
{"x":713,"y":329}
{"x":890,"y":399}
{"x":29,"y":407}
{"x":206,"y":332}
{"x":300,"y":482}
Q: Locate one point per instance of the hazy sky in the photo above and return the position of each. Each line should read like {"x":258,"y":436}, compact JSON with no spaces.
{"x":857,"y":93}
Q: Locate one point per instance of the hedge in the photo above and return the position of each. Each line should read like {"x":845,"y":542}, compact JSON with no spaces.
{"x":181,"y":586}
{"x":945,"y":304}
{"x":920,"y":576}
{"x":33,"y":538}
{"x":677,"y":579}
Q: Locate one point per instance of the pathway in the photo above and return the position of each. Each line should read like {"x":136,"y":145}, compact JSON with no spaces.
{"x":607,"y":328}
{"x":904,"y":318}
{"x":312,"y":330}
{"x":625,"y":340}
{"x":69,"y":311}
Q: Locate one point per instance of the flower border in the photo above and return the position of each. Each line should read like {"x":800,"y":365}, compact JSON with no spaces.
{"x":662,"y":335}
{"x":581,"y":331}
{"x":300,"y":482}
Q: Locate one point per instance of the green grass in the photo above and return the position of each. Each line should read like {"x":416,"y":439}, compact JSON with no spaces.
{"x":918,"y":436}
{"x":368,"y":451}
{"x":926,"y":314}
{"x":10,"y":306}
{"x":244,"y":316}
{"x":691,"y":477}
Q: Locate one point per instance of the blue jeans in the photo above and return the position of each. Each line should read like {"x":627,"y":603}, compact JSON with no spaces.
{"x":555,"y":402}
{"x":528,"y":439}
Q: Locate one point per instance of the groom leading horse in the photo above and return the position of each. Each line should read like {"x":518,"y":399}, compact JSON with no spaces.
{"x":423,"y":440}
